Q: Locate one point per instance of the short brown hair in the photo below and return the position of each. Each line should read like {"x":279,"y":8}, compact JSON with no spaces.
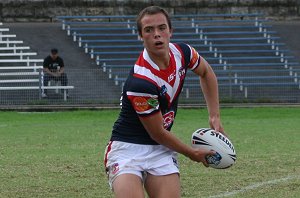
{"x":151,"y":10}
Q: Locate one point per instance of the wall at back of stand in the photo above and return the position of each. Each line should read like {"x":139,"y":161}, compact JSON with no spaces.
{"x":47,"y":10}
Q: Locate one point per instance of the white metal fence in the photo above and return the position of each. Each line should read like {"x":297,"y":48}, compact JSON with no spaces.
{"x":98,"y":87}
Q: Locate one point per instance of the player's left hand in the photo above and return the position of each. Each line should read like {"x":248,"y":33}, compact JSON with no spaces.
{"x":215,"y":123}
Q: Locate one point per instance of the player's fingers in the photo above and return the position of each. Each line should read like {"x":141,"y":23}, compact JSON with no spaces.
{"x":224,"y":133}
{"x":205,"y":163}
{"x":211,"y":152}
{"x":219,"y":129}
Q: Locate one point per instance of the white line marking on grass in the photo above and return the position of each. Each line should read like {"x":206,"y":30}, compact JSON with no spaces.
{"x":35,"y":112}
{"x":257,"y":185}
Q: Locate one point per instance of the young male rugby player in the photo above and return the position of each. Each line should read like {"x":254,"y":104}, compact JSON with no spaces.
{"x":142,"y":152}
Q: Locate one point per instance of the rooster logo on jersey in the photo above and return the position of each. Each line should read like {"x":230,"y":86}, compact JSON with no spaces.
{"x":168,"y":119}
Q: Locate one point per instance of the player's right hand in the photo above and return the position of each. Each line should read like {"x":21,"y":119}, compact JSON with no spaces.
{"x":199,"y":155}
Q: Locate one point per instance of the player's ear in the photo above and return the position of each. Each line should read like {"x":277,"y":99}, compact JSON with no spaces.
{"x":140,"y":38}
{"x":171,"y":32}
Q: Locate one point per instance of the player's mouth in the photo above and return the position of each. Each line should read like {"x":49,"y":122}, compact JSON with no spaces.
{"x":158,"y":44}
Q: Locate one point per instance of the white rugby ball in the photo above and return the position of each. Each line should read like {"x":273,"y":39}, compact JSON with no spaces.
{"x":209,"y":139}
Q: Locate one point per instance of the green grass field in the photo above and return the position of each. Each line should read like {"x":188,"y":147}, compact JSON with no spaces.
{"x":60,"y":154}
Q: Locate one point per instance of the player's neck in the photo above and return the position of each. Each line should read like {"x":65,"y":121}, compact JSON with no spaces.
{"x":161,"y":61}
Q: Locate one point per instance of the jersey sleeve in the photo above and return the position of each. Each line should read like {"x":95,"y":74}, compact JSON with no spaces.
{"x":143,"y":97}
{"x":191,"y":56}
{"x":194,"y":60}
{"x":143,"y":103}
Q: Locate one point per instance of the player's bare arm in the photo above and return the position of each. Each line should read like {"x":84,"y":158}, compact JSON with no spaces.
{"x":209,"y":85}
{"x":154,"y":126}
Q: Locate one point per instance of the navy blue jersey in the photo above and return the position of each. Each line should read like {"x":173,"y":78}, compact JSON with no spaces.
{"x":150,"y":90}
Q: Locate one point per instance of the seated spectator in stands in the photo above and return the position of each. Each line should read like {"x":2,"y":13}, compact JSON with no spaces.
{"x":53,"y":68}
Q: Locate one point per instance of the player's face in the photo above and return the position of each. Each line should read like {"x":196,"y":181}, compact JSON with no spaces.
{"x":156,"y":34}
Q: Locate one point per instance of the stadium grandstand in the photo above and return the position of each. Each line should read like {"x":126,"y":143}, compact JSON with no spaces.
{"x":253,"y":57}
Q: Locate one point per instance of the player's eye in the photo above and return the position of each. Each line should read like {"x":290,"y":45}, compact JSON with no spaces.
{"x":148,"y":29}
{"x":163,"y":28}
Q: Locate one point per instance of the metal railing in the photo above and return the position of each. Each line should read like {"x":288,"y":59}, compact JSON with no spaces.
{"x":96,"y":87}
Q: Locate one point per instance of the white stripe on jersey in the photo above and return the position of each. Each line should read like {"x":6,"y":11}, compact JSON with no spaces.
{"x":147,"y":111}
{"x":147,"y":73}
{"x":149,"y":60}
{"x":191,"y":56}
{"x":131,"y":93}
{"x":178,"y":57}
{"x":143,"y":71}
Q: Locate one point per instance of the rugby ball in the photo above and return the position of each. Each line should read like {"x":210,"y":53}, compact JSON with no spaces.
{"x":209,"y":139}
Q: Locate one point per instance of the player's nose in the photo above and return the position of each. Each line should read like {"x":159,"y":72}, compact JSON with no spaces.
{"x":156,"y":33}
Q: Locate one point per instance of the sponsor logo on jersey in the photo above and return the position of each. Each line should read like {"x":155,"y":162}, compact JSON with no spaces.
{"x":142,"y":103}
{"x":153,"y":102}
{"x":181,"y":72}
{"x":168,"y":119}
{"x":171,"y":77}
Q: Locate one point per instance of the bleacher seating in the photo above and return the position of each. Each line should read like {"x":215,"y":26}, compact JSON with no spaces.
{"x":246,"y":54}
{"x":20,"y":71}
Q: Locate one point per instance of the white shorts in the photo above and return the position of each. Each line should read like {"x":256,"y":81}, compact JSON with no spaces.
{"x":138,"y":159}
